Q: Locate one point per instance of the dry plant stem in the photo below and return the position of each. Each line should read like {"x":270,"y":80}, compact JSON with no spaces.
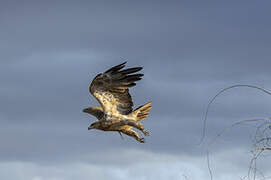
{"x":209,"y":167}
{"x":233,"y":125}
{"x":262,"y":136}
{"x":261,"y":139}
{"x":253,"y":165}
{"x":212,"y":100}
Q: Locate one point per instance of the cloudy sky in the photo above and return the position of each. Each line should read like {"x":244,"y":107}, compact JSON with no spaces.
{"x":51,"y":50}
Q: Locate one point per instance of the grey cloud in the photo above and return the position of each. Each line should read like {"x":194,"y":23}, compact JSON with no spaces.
{"x":148,"y":166}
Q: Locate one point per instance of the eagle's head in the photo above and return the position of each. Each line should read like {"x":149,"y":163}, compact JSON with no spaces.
{"x":94,"y":125}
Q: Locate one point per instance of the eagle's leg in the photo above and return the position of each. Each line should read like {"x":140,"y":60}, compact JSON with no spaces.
{"x":137,"y":125}
{"x":134,"y":134}
{"x":132,"y":123}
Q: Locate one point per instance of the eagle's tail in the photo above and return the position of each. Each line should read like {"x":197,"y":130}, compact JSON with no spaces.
{"x":142,"y":112}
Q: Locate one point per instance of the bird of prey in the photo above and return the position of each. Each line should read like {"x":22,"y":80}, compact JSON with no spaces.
{"x":115,"y":112}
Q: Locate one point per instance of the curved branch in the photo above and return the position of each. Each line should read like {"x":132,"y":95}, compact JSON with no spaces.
{"x":220,"y":92}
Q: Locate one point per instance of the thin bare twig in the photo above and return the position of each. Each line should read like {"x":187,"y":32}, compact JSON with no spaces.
{"x":262,"y":136}
{"x":209,"y":167}
{"x":212,"y":100}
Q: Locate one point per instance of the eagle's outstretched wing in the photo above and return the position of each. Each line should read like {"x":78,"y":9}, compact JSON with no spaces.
{"x":111,"y":89}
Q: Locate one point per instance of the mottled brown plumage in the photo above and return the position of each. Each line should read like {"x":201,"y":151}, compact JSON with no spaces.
{"x":111,"y":89}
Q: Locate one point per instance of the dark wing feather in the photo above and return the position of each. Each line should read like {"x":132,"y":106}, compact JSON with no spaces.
{"x":96,"y":111}
{"x":111,"y":89}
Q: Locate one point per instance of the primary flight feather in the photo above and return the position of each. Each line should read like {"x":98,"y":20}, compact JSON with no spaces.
{"x":115,"y":112}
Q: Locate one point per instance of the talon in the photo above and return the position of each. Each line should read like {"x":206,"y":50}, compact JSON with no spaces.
{"x":146,"y":133}
{"x":142,"y":140}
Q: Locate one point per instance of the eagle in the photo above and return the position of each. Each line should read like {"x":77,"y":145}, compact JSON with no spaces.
{"x":115,"y":113}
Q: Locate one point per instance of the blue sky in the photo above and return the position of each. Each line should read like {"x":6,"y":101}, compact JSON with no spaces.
{"x":51,"y":50}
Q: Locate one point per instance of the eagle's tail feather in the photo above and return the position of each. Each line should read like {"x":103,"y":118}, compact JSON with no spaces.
{"x":142,"y":111}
